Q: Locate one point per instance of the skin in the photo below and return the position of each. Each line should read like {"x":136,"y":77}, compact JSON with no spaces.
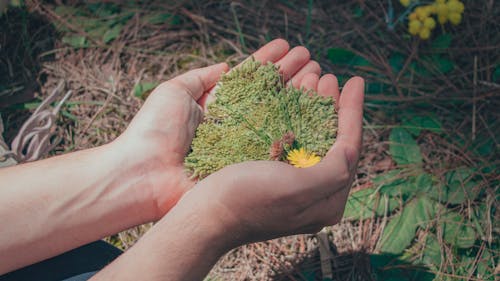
{"x":140,"y":177}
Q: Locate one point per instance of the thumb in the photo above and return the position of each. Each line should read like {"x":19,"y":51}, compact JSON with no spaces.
{"x":198,"y":81}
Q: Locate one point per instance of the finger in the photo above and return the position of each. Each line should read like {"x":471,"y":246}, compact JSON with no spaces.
{"x":293,"y":61}
{"x":271,"y":52}
{"x":328,"y":86}
{"x":196,"y":82}
{"x":310,"y":82}
{"x":350,"y":114}
{"x":310,"y":67}
{"x":337,"y":168}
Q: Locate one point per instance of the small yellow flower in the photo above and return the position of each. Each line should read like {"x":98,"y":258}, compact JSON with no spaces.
{"x":422,"y":13}
{"x":301,"y":158}
{"x":455,"y":18}
{"x":455,"y":6}
{"x":414,"y":27}
{"x":429,"y":23}
{"x":425,"y":33}
{"x":442,"y":19}
{"x":441,"y":9}
{"x":405,"y":3}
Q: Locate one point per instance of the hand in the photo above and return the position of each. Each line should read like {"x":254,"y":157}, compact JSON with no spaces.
{"x":159,"y":136}
{"x":253,"y":201}
{"x":261,"y":200}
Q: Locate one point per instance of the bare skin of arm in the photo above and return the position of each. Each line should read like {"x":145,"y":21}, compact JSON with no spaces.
{"x":249,"y":202}
{"x":54,"y":205}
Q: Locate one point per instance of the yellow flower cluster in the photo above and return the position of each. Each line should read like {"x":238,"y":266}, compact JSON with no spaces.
{"x":421,"y":21}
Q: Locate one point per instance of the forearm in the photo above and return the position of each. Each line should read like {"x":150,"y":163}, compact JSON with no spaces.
{"x":184,"y":245}
{"x":51,"y":206}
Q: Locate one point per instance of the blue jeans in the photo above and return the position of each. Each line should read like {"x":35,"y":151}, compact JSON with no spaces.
{"x":76,"y":265}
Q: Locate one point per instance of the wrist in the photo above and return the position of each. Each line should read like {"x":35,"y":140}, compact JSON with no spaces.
{"x":157,"y":184}
{"x":130,"y":176}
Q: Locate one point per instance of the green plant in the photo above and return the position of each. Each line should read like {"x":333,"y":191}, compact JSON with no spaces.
{"x":427,"y":213}
{"x":256,"y":117}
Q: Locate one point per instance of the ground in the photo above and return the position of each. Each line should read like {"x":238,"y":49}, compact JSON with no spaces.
{"x":428,"y":176}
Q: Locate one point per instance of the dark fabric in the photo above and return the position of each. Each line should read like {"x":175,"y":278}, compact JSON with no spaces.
{"x":82,"y":277}
{"x":83,"y":260}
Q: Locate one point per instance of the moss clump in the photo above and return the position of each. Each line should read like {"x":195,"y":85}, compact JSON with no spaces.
{"x":253,"y":113}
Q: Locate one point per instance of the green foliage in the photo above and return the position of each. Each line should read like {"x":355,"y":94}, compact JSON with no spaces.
{"x":367,"y":203}
{"x":400,"y":231}
{"x":415,"y":124}
{"x":340,"y":56}
{"x":392,"y":267}
{"x":445,"y":208}
{"x":102,"y":22}
{"x":403,"y":148}
{"x":456,"y":231}
{"x":252,"y":110}
{"x":141,"y":89}
{"x":442,"y":42}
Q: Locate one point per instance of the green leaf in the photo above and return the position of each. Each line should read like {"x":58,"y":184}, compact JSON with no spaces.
{"x":485,"y":266}
{"x":460,"y":186}
{"x":432,"y":251}
{"x":496,"y":74}
{"x":400,"y":231}
{"x":409,"y":186}
{"x":414,"y":124}
{"x":403,"y":148}
{"x":396,"y":61}
{"x":366,"y":203}
{"x":144,"y":87}
{"x":443,"y":64}
{"x":442,"y":42}
{"x":340,"y":56}
{"x":457,"y":231}
{"x":162,"y":18}
{"x":388,"y":267}
{"x":76,"y":41}
{"x":112,"y":34}
{"x":398,"y":188}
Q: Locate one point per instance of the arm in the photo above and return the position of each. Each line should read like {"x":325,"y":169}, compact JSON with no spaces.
{"x":249,"y":202}
{"x":52,"y":206}
{"x":49,"y":206}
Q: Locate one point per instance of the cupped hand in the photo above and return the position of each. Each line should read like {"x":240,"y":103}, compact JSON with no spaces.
{"x":159,"y":136}
{"x":260,"y":200}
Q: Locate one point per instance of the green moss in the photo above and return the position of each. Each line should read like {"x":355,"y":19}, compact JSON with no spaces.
{"x":253,"y":109}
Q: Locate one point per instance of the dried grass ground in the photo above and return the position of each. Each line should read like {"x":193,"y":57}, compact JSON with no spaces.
{"x":103,"y":76}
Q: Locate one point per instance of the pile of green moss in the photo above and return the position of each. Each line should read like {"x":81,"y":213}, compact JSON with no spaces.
{"x":253,"y":111}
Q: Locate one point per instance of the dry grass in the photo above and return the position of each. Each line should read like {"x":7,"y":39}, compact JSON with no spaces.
{"x":102,"y":78}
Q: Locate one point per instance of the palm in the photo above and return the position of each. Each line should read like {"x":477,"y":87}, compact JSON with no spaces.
{"x":165,"y":126}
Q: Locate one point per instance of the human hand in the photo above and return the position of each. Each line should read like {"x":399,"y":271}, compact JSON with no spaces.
{"x":260,"y":200}
{"x":252,"y":201}
{"x":159,"y":137}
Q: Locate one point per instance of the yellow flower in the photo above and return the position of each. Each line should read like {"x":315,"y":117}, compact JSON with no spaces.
{"x":442,"y":18}
{"x":422,"y":13}
{"x":301,"y":158}
{"x":429,"y":23}
{"x":441,"y":9}
{"x":455,"y":6}
{"x":455,"y":18}
{"x":414,"y":27}
{"x":405,"y":3}
{"x":425,"y":33}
